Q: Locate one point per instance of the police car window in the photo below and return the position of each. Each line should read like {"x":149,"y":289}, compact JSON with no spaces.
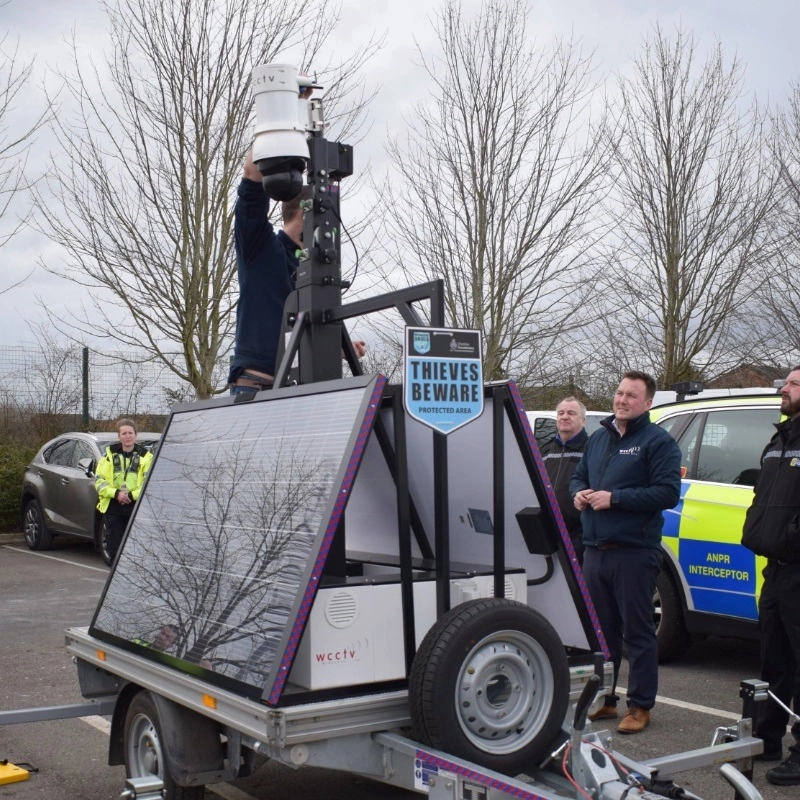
{"x":688,"y":442}
{"x":674,"y":425}
{"x":732,"y":443}
{"x":60,"y":454}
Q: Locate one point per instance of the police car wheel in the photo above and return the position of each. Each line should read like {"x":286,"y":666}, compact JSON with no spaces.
{"x":490,"y":683}
{"x":145,"y":749}
{"x":673,"y":638}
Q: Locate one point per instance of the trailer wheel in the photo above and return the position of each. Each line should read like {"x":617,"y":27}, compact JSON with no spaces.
{"x":145,"y":752}
{"x":490,"y":683}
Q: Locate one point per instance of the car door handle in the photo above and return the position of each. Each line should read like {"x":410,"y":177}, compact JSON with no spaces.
{"x":64,"y":481}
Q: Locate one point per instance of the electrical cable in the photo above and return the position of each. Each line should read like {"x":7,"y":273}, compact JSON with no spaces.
{"x":355,"y":249}
{"x":569,"y":777}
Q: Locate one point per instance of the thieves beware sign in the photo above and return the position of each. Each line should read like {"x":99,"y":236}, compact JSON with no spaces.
{"x":443,"y":377}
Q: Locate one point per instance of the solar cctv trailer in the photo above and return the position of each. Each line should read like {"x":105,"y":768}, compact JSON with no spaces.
{"x":318,"y":576}
{"x":278,"y":594}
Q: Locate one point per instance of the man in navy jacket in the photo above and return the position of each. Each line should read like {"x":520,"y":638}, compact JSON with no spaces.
{"x":629,"y":475}
{"x":561,"y":457}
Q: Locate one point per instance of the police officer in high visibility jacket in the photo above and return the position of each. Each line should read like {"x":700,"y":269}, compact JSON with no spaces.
{"x":119,"y":478}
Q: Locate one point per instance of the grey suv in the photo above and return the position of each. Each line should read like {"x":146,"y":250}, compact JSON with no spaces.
{"x":58,"y":494}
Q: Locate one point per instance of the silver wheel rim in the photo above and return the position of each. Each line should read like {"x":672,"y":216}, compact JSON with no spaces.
{"x":31,"y":526}
{"x":144,"y":748}
{"x":504,"y":692}
{"x":657,"y":611}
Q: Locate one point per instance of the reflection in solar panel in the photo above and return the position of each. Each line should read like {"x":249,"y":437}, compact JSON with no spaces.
{"x":223,"y":547}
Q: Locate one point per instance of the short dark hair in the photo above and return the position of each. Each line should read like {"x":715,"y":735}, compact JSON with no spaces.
{"x":649,"y":383}
{"x":795,"y":369}
{"x":291,"y":208}
{"x":126,"y":423}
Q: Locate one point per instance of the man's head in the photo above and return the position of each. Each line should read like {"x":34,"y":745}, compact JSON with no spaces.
{"x":790,"y":393}
{"x":165,"y":638}
{"x":126,"y":433}
{"x":570,"y":418}
{"x":634,"y":395}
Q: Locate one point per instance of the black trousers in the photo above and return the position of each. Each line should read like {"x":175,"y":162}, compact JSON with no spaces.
{"x":115,"y":529}
{"x":621,"y":583}
{"x":779,"y":622}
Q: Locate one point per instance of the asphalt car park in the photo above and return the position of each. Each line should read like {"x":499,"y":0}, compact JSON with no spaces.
{"x":46,"y":592}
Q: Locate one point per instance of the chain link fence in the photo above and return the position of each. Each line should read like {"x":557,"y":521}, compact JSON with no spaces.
{"x":45,"y":390}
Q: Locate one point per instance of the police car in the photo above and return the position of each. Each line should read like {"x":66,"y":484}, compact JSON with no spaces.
{"x":710,"y":583}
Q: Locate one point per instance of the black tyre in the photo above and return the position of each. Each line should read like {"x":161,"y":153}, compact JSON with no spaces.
{"x":101,"y":541}
{"x":673,"y":638}
{"x":144,"y":748}
{"x":37,"y":537}
{"x":490,"y":683}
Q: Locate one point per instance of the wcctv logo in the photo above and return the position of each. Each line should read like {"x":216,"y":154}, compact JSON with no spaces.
{"x":344,"y":655}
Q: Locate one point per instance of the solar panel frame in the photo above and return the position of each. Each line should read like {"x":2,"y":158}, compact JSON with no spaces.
{"x":320,"y":478}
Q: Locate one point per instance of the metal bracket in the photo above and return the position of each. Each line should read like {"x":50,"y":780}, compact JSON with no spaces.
{"x":276,"y":729}
{"x":148,"y":787}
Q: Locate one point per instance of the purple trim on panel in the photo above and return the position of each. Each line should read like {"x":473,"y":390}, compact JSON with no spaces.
{"x":341,"y":501}
{"x":477,"y":777}
{"x":562,"y":528}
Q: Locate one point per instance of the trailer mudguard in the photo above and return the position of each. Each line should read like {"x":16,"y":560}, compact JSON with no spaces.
{"x":191,"y":741}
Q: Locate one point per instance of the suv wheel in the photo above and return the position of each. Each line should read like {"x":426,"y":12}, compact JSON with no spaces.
{"x":101,"y":539}
{"x":37,"y":537}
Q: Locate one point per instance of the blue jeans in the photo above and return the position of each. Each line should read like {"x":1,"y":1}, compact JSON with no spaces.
{"x":243,"y":390}
{"x":622,"y":582}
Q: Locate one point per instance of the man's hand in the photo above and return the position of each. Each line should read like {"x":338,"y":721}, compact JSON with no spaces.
{"x":596,"y":500}
{"x":250,"y":169}
{"x":582,"y":499}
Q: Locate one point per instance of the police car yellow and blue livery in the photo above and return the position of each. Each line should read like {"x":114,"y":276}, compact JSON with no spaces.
{"x":711,"y":582}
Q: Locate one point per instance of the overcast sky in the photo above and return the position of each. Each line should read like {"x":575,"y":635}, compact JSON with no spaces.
{"x":764,"y":34}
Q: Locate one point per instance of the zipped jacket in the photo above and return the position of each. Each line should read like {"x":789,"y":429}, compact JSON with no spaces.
{"x":642,"y":470}
{"x":115,"y":470}
{"x":561,"y":460}
{"x":772,"y":524}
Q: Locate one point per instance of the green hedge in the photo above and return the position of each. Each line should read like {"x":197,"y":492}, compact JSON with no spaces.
{"x":14,"y":457}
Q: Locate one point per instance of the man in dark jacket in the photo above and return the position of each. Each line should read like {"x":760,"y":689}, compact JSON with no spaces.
{"x":561,"y":456}
{"x":629,"y":475}
{"x":772,"y":529}
{"x":266,"y":262}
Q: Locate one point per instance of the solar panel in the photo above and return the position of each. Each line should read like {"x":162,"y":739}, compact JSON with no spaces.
{"x":224,"y":553}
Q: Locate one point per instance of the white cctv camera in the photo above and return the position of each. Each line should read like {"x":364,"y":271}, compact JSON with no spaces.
{"x":283,"y":116}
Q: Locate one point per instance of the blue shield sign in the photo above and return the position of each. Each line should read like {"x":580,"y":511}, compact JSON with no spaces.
{"x":443,"y":377}
{"x":422,"y":342}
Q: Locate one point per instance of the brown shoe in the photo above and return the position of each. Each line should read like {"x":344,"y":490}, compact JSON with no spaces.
{"x":606,"y":712}
{"x":635,"y":720}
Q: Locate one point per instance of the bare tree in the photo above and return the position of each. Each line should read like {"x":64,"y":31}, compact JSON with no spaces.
{"x":500,"y":171}
{"x":691,"y":209}
{"x":15,"y":76}
{"x":778,"y":293}
{"x":143,"y":192}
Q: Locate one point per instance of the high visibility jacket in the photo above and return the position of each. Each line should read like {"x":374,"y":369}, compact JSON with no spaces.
{"x":116,"y":469}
